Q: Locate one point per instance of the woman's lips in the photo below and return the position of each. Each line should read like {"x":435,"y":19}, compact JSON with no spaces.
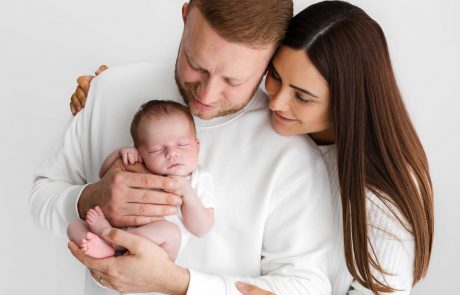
{"x":282,"y":118}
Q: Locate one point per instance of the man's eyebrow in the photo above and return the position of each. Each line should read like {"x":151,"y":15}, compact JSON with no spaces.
{"x":199,"y":67}
{"x":191,"y":59}
{"x":303,"y":90}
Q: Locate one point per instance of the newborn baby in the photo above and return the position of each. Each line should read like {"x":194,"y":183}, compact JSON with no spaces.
{"x":165,"y":141}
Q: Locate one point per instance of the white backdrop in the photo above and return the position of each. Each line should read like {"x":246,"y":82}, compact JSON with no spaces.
{"x":45,"y":45}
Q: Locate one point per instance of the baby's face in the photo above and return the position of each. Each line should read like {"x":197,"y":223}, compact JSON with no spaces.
{"x":169,"y":145}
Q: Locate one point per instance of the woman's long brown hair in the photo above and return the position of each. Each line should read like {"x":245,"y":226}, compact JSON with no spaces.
{"x":378,"y":148}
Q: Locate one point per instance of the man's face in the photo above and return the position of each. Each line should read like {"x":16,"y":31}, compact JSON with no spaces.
{"x":214,"y":76}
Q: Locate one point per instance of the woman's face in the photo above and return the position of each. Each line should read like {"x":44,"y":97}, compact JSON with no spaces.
{"x":299,"y":96}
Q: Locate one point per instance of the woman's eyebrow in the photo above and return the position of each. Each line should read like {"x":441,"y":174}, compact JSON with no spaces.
{"x":303,"y":90}
{"x":272,"y":65}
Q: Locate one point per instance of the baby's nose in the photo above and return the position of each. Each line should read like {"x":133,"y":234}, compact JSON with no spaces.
{"x":172,"y":153}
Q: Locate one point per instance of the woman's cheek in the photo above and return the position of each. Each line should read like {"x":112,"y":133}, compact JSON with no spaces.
{"x":270,"y":86}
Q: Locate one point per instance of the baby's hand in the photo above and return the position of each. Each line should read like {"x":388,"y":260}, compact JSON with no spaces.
{"x":185,"y":187}
{"x":130,"y":155}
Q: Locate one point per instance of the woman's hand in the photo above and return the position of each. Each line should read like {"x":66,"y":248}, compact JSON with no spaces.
{"x":145,"y":267}
{"x":78,"y":98}
{"x":247,"y":289}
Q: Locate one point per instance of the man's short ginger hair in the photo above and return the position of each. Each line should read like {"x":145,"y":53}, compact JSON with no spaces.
{"x":158,"y":109}
{"x":257,"y":23}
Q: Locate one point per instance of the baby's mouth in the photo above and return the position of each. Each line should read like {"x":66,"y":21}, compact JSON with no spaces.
{"x":174,"y":165}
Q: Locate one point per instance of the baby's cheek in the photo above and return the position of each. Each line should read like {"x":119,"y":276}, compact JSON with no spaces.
{"x":194,"y":160}
{"x":154,"y":164}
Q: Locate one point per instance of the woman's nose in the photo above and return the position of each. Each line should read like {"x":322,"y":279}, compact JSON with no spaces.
{"x":279,"y":101}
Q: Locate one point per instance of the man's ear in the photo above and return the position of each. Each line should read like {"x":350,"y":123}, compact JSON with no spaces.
{"x":184,"y":12}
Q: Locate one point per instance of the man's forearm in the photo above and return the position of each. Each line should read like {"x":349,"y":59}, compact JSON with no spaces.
{"x":87,"y":200}
{"x":53,"y":204}
{"x":59,"y":182}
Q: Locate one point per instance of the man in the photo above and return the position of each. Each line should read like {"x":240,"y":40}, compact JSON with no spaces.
{"x":273,"y":214}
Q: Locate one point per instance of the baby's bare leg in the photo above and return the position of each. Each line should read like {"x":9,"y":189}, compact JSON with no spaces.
{"x":163,"y":233}
{"x":96,"y":221}
{"x":79,"y":232}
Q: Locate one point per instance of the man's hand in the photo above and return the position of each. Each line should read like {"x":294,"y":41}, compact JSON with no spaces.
{"x":247,"y":289}
{"x":78,"y":98}
{"x":145,"y":267}
{"x":131,"y":196}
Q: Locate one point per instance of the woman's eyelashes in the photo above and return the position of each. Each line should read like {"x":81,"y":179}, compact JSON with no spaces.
{"x":273,"y":74}
{"x":302,"y":99}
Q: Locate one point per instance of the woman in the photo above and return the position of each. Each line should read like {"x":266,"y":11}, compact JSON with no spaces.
{"x":332,"y":79}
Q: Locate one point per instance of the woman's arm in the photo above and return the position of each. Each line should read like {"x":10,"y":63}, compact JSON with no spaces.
{"x":393,"y":246}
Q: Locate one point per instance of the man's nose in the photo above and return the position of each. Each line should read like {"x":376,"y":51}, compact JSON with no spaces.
{"x":208,"y":91}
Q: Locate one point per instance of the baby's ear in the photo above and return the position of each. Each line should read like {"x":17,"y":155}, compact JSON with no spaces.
{"x":198,"y":143}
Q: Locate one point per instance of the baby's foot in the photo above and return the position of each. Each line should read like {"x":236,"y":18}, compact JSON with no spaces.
{"x":96,"y":221}
{"x":96,"y":247}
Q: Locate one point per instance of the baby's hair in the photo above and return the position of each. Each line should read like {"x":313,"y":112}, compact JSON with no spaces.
{"x":156,"y":109}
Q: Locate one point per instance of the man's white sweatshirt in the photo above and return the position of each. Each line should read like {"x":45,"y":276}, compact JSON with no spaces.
{"x":273,"y":215}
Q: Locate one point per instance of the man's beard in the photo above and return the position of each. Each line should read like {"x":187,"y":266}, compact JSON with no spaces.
{"x":187,"y":91}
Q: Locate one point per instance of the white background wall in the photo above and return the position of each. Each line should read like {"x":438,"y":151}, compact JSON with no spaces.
{"x":45,"y":45}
